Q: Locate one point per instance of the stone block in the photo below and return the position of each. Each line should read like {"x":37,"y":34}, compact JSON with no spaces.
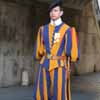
{"x":91,"y":25}
{"x":16,"y":34}
{"x":97,"y":63}
{"x":83,"y":25}
{"x":87,"y":11}
{"x":1,"y":69}
{"x":86,"y":64}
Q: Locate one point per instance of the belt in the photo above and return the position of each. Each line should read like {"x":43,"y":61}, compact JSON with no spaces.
{"x":49,"y":56}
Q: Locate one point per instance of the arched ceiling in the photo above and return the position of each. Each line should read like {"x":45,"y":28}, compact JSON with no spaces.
{"x":75,"y":4}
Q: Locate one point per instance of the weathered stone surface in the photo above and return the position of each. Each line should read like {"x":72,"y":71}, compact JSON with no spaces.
{"x":88,"y":12}
{"x":91,"y":25}
{"x":88,"y":37}
{"x":20,"y":21}
{"x":97,"y":63}
{"x":89,"y":42}
{"x":83,"y":24}
{"x":16,"y":32}
{"x":86,"y":64}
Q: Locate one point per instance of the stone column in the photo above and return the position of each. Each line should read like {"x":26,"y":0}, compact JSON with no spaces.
{"x":89,"y":41}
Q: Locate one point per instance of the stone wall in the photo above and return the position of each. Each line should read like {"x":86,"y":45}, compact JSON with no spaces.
{"x":19,"y":23}
{"x":89,"y":41}
{"x":16,"y":41}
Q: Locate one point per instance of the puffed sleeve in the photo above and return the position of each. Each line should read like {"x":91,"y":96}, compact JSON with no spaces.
{"x":68,"y":42}
{"x":39,"y":46}
{"x":75,"y":51}
{"x":72,"y":44}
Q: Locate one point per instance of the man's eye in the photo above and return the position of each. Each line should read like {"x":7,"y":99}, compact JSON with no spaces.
{"x":55,"y":10}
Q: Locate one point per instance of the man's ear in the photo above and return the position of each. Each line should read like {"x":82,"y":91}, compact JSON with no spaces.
{"x":61,"y":13}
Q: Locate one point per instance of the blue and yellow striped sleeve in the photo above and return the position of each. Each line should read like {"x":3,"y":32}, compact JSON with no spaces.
{"x":68,"y":42}
{"x":72,"y":44}
{"x":38,"y":48}
{"x":75,"y":51}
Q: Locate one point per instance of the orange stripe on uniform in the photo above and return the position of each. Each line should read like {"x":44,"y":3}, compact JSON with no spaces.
{"x":52,"y":81}
{"x":62,"y":33}
{"x":56,"y":46}
{"x":45,"y":85}
{"x":74,"y":51}
{"x":38,"y":97}
{"x":51,"y":30}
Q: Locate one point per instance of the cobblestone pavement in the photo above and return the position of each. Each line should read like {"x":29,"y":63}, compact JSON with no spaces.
{"x":84,"y":87}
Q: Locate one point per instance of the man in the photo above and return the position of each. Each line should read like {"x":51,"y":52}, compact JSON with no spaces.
{"x":56,"y":43}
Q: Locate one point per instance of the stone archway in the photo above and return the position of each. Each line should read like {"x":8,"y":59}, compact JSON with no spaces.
{"x":85,"y":21}
{"x":89,"y":35}
{"x":19,"y":22}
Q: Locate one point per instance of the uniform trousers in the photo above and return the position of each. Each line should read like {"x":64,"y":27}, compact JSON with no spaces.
{"x":50,"y":85}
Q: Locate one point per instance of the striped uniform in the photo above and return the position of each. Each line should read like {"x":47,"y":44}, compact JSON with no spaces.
{"x":51,"y":83}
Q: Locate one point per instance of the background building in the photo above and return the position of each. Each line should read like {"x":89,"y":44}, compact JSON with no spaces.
{"x":19,"y":21}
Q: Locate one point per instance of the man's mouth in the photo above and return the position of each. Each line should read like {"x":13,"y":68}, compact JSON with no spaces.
{"x":53,"y":16}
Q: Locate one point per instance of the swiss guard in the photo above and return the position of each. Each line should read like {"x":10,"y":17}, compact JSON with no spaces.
{"x":56,"y":46}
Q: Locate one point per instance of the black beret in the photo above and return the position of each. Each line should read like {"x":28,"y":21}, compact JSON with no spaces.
{"x":54,"y":4}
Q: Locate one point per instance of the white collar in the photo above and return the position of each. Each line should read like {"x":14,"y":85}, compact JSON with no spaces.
{"x":56,"y":22}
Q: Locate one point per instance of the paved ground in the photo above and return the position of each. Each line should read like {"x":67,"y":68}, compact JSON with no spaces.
{"x":85,"y":87}
{"x":16,"y":93}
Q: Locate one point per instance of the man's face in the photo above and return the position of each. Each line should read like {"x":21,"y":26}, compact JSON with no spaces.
{"x":56,"y":13}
